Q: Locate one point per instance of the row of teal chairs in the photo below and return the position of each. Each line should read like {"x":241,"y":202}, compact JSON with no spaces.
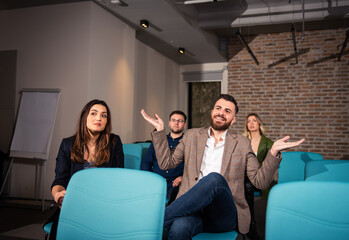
{"x":292,"y":166}
{"x":130,"y":204}
{"x":133,"y":204}
{"x":306,"y":166}
{"x":310,"y":201}
{"x":123,"y":204}
{"x":327,"y":170}
{"x":301,"y":166}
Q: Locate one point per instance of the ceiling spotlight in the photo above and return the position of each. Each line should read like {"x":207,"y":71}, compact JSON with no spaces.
{"x":181,"y":50}
{"x":119,"y":2}
{"x":144,"y":23}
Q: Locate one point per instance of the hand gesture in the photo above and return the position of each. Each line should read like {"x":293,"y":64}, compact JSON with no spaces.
{"x":59,"y":196}
{"x":156,"y":122}
{"x":177,"y":181}
{"x":281,"y":144}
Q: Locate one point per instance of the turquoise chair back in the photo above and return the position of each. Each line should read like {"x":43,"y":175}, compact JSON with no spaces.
{"x":327,"y":170}
{"x":145,"y":146}
{"x":132,"y":155}
{"x":292,"y":166}
{"x":47,"y":228}
{"x":113,"y":203}
{"x":308,"y":210}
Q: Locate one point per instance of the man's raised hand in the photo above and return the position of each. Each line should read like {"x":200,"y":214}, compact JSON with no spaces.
{"x":156,"y":122}
{"x":281,"y":144}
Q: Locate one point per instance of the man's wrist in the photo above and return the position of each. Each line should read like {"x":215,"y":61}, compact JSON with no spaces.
{"x":275,"y":153}
{"x":159,"y":129}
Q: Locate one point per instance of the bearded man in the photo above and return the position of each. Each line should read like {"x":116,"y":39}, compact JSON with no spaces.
{"x":211,"y":196}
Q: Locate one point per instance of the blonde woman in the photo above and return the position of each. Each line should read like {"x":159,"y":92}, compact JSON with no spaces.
{"x":254,"y":130}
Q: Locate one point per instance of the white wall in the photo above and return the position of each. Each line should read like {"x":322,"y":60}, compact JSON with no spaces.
{"x":53,"y":52}
{"x":111,"y":68}
{"x":87,"y":53}
{"x":157,"y":89}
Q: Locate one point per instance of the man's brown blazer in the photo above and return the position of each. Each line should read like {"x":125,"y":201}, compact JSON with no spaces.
{"x":238,"y":159}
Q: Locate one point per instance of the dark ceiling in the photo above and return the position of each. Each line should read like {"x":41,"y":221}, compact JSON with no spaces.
{"x":203,"y":26}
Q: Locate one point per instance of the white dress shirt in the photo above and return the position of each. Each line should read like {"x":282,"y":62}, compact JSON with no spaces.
{"x":213,"y":156}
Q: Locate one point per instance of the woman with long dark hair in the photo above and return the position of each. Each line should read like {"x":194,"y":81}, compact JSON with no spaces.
{"x":93,"y":145}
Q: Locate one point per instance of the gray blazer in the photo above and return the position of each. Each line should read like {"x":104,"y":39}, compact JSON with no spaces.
{"x":238,"y":158}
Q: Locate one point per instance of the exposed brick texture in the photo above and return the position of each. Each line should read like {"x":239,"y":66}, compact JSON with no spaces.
{"x":306,"y":100}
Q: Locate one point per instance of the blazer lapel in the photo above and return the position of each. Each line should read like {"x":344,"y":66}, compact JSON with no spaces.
{"x":229,"y":146}
{"x":202,"y":139}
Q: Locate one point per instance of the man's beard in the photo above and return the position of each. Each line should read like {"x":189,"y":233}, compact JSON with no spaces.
{"x":177,"y":131}
{"x":220,"y":127}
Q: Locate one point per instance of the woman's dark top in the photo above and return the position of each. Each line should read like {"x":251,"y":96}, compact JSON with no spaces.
{"x":65,"y":167}
{"x":264,"y":146}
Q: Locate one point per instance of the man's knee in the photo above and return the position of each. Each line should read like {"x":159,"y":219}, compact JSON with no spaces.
{"x":183,"y":228}
{"x":215,"y":178}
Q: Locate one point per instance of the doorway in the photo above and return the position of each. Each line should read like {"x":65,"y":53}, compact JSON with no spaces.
{"x":201,"y":96}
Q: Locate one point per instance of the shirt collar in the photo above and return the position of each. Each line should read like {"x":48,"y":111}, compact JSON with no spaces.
{"x":169,"y":136}
{"x":223,"y":136}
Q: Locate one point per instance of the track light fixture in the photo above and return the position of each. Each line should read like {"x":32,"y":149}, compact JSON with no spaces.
{"x":119,"y":2}
{"x":237,"y":32}
{"x":181,"y":50}
{"x":144,"y":23}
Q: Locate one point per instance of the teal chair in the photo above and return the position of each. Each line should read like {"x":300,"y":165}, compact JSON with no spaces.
{"x":216,"y":236}
{"x":47,"y":228}
{"x":132,"y":155}
{"x":301,"y":211}
{"x":113,"y":203}
{"x":292,"y":166}
{"x":145,"y":146}
{"x":327,"y":170}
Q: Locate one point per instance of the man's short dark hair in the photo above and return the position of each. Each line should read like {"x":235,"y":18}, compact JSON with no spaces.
{"x":229,"y":98}
{"x":180,"y":113}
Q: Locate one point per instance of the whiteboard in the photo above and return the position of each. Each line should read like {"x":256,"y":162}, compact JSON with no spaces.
{"x":35,"y":123}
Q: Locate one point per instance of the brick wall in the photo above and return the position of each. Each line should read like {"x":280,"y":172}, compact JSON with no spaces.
{"x":306,"y":100}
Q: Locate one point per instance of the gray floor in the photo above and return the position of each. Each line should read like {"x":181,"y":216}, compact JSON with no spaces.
{"x":25,"y":223}
{"x":22,"y":222}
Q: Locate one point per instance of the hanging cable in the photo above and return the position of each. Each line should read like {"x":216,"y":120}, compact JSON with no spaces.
{"x":303,"y":14}
{"x":294,"y":42}
{"x":344,"y":45}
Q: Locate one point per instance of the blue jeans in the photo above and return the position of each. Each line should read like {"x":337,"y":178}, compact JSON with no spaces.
{"x":207,"y":207}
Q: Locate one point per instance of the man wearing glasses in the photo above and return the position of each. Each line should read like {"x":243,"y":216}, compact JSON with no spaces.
{"x":177,"y":122}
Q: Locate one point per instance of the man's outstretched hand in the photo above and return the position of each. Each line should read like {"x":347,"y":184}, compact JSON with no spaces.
{"x":156,"y":122}
{"x":281,"y":144}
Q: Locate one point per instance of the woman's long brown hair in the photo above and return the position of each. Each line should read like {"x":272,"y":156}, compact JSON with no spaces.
{"x":82,"y":137}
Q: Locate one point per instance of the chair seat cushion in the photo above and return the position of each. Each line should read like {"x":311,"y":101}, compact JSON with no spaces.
{"x":216,"y":236}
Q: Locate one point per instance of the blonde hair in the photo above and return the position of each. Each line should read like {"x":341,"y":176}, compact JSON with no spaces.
{"x":247,"y":132}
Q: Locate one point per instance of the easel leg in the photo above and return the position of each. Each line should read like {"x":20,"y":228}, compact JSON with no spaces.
{"x":7,"y":174}
{"x":43,"y":186}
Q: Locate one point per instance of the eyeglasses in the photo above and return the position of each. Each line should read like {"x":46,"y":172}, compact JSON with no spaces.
{"x":177,"y":120}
